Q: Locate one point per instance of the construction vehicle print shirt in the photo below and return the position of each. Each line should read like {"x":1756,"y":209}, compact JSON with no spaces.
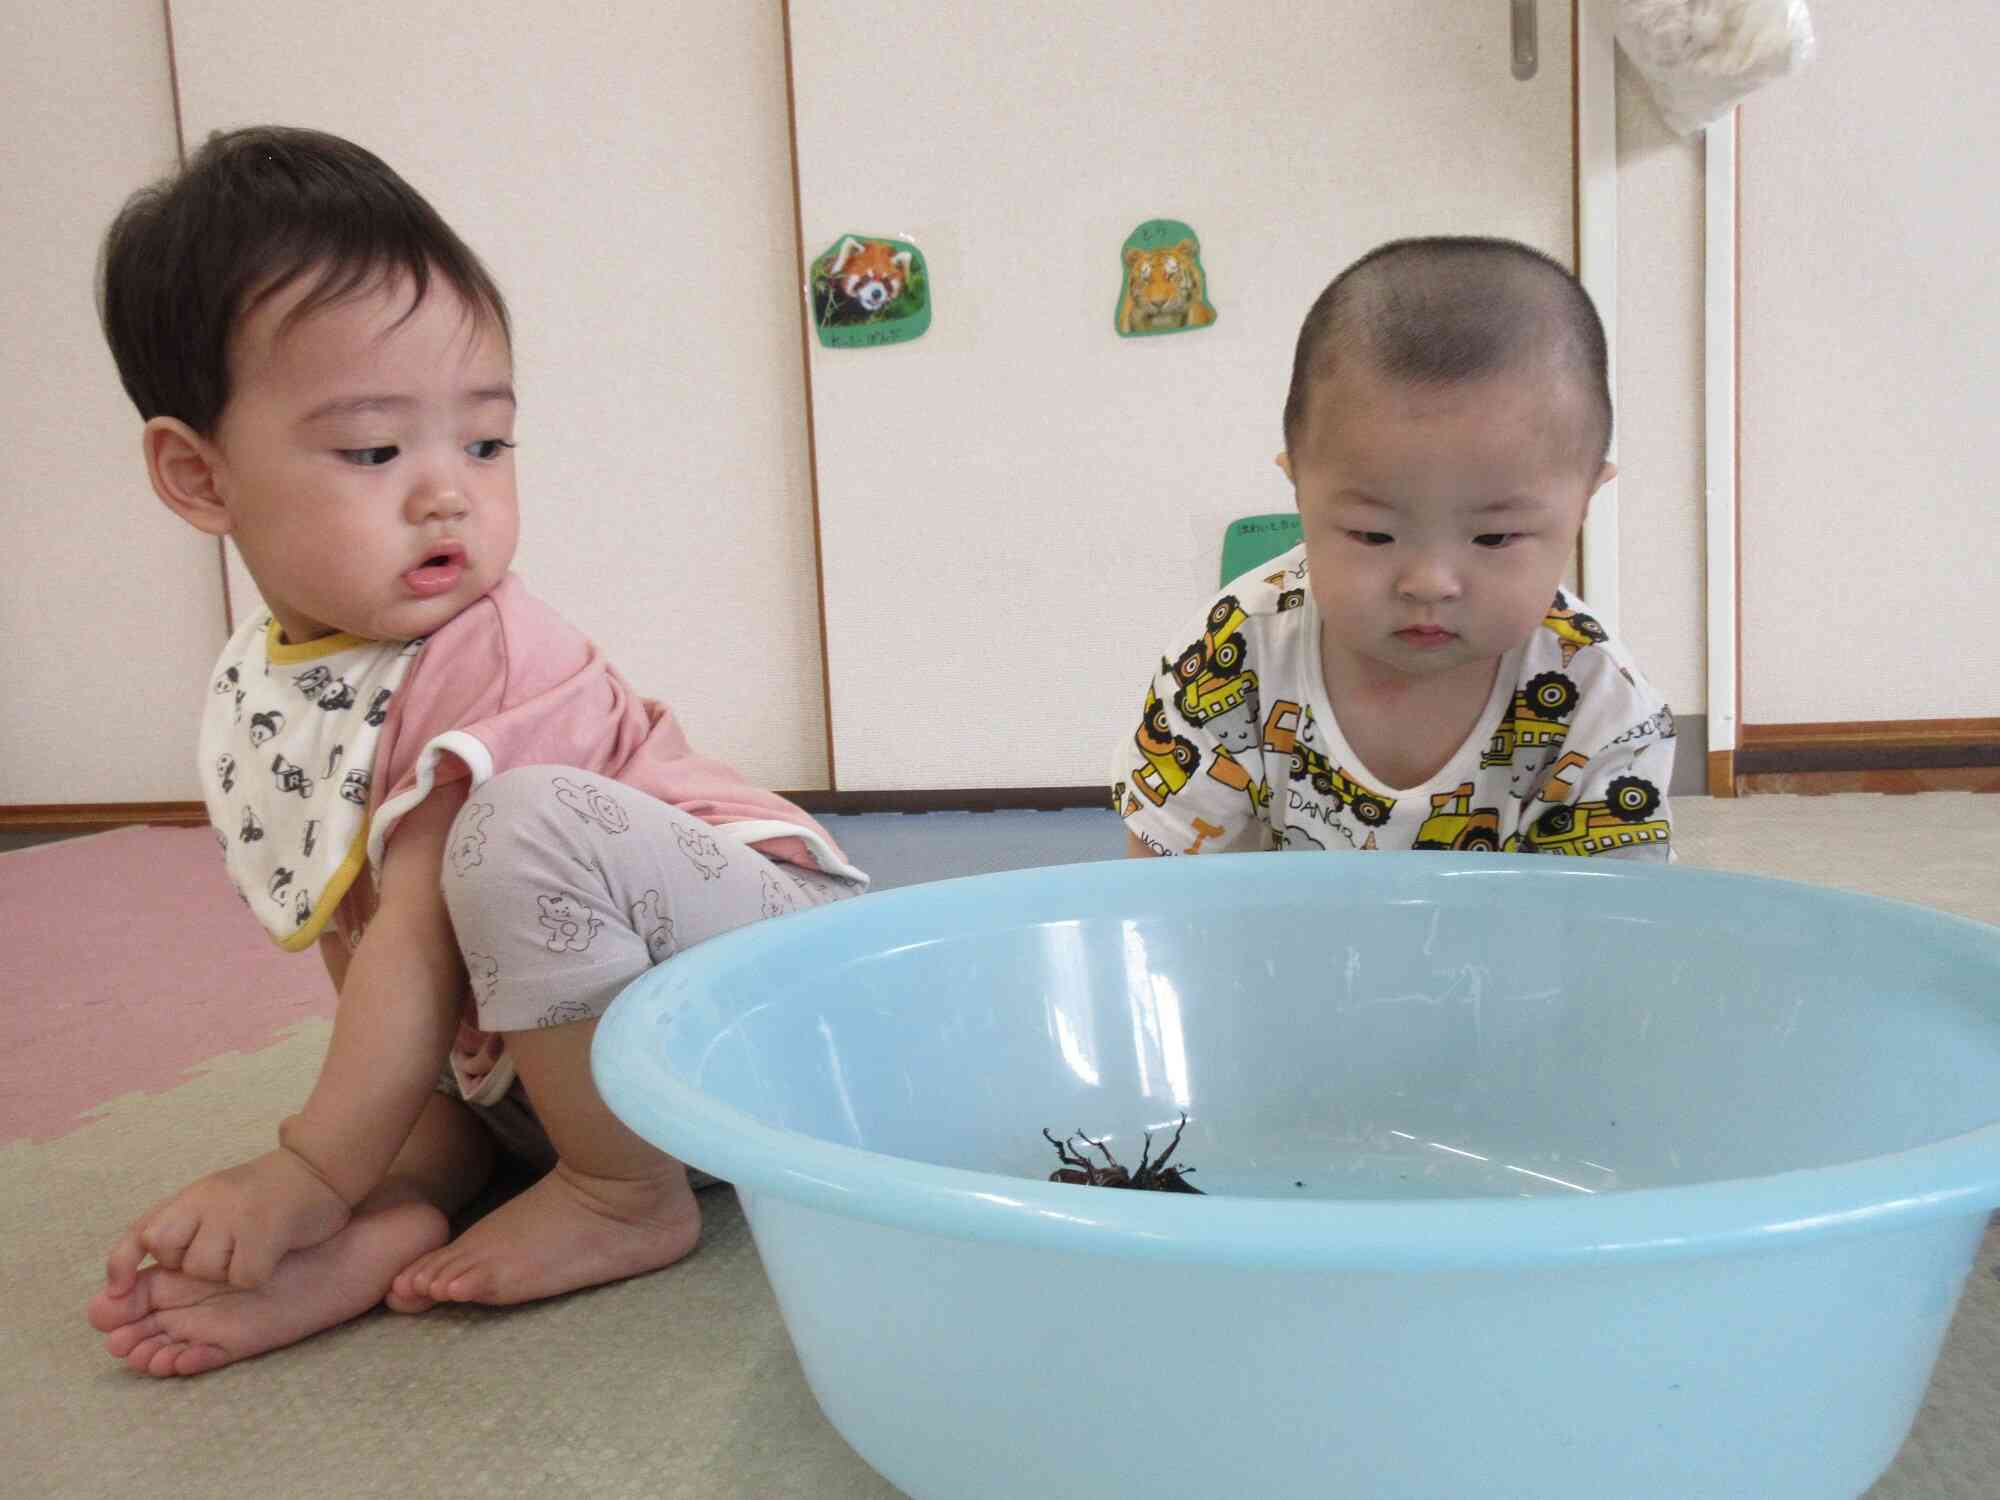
{"x":1237,"y":748}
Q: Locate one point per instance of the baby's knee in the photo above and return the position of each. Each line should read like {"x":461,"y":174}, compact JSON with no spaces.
{"x":514,"y":810}
{"x":501,"y":802}
{"x":509,"y":831}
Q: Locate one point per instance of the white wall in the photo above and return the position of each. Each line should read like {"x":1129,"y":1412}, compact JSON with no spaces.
{"x":1659,"y":398}
{"x":110,"y":609}
{"x":1870,"y":315}
{"x":1866,"y":317}
{"x":1021,"y":509}
{"x":624,"y":170}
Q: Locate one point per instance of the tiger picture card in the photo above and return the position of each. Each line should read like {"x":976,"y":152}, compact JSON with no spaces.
{"x":1164,"y":288}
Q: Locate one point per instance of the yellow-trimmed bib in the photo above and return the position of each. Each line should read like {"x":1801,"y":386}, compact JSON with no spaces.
{"x":287,"y":746}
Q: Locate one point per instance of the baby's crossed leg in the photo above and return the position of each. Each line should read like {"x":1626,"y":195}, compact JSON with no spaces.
{"x":633,"y":881}
{"x":563,"y":887}
{"x":171,"y":1323}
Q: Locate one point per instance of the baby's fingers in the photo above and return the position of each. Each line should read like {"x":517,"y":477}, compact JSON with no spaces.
{"x":251,"y":1262}
{"x":207,"y":1254}
{"x":121,"y":1267}
{"x":168,"y":1234}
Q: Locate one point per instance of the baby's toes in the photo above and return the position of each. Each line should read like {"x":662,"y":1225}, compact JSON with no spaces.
{"x":154,"y":1346}
{"x":469,"y":1282}
{"x":108,"y":1313}
{"x":415,"y":1281}
{"x":455,"y":1275}
{"x":408,"y":1302}
{"x":195,"y":1359}
{"x":164,"y":1355}
{"x":120,"y":1342}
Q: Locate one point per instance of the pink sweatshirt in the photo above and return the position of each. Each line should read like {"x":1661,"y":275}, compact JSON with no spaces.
{"x":508,"y":682}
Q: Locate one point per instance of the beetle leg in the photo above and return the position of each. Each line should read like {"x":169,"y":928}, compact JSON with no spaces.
{"x":1145,"y":1151}
{"x":1069,"y":1158}
{"x":1062,"y":1152}
{"x":1112,"y":1160}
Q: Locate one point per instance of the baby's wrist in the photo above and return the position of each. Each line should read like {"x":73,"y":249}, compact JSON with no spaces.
{"x":295,"y":1141}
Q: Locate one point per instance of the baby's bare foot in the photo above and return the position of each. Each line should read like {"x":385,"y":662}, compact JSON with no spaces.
{"x":173,"y":1324}
{"x":565,"y":1232}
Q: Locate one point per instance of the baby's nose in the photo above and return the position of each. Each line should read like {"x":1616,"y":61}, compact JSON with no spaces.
{"x":440,"y":502}
{"x":1427,"y":580}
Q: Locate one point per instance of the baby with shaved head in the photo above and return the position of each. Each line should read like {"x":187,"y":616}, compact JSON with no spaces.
{"x":1446,"y":311}
{"x":1412,"y":676}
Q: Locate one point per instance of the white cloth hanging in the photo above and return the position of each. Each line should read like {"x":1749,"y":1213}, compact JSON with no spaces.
{"x":1701,"y":58}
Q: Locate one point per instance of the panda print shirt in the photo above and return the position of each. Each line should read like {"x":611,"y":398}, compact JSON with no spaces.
{"x":287,"y":745}
{"x":1237,"y":747}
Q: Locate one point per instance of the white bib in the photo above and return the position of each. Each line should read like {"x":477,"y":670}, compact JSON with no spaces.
{"x":287,"y":746}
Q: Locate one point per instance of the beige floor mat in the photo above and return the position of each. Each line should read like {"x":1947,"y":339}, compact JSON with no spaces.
{"x":683,"y":1383}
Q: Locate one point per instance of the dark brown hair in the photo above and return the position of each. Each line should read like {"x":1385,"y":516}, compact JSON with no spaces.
{"x":255,"y":210}
{"x":1449,"y":309}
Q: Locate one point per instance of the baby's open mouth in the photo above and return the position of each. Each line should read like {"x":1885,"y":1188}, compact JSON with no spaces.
{"x":438,"y":572}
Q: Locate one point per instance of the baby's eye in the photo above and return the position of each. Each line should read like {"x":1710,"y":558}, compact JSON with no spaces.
{"x":488,"y":448}
{"x":1371,"y":538}
{"x":1496,"y":539}
{"x":368,"y":458}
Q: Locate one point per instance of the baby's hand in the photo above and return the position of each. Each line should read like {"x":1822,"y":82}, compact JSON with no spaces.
{"x":232,"y":1226}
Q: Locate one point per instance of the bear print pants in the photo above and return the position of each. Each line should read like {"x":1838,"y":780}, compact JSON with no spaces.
{"x":563,"y":887}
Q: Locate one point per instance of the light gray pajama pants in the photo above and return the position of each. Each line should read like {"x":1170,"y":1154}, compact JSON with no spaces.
{"x":564,"y":886}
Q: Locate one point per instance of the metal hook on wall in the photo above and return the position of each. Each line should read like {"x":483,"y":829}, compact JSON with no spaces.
{"x":1522,"y":47}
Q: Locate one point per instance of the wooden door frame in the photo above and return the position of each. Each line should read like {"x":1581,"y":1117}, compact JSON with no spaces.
{"x":1594,"y":167}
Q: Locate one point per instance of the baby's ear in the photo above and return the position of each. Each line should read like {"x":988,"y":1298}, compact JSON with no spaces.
{"x":181,"y":464}
{"x":1283,"y":460}
{"x":1604,"y":476}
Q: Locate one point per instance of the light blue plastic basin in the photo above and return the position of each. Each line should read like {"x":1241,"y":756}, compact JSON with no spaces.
{"x":1525,"y":1178}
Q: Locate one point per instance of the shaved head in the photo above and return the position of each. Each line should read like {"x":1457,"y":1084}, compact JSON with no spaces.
{"x":1454,"y":310}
